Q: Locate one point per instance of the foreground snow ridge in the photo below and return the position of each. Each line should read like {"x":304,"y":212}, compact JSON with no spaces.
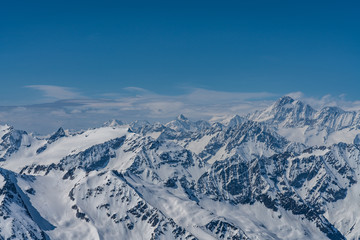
{"x":287,"y":172}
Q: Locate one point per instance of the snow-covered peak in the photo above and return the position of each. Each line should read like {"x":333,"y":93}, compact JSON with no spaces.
{"x":335,"y":118}
{"x":12,"y":140}
{"x":4,"y":129}
{"x":284,"y":101}
{"x":181,"y":123}
{"x":58,"y":134}
{"x":138,"y":124}
{"x":113,"y":123}
{"x":285,"y":112}
{"x":182,"y":118}
{"x":235,"y":121}
{"x":331,"y":110}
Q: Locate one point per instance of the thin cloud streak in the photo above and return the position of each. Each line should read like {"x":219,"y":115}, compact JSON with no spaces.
{"x":327,"y":100}
{"x":56,"y":92}
{"x":82,"y":113}
{"x":140,"y":105}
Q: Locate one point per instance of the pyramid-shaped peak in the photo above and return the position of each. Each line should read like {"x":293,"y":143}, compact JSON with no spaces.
{"x":288,"y":102}
{"x":113,"y":123}
{"x":284,"y":100}
{"x":58,"y":134}
{"x":60,"y":131}
{"x":181,"y":117}
{"x":235,"y":120}
{"x":286,"y":112}
{"x":236,"y":117}
{"x":332,"y":109}
{"x":139,"y":123}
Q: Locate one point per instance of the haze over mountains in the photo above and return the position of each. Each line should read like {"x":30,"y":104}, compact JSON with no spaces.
{"x":286,"y":172}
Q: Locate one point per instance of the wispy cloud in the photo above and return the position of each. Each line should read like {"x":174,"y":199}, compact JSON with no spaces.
{"x":327,"y":100}
{"x":73,"y":111}
{"x":56,"y":92}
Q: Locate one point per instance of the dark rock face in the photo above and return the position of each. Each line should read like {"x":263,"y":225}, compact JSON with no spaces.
{"x":224,"y":230}
{"x":357,"y":139}
{"x":14,"y":202}
{"x":138,"y":211}
{"x":58,"y":134}
{"x":283,"y":176}
{"x":11,"y":142}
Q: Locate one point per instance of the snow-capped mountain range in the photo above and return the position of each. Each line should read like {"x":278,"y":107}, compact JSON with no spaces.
{"x":286,"y":172}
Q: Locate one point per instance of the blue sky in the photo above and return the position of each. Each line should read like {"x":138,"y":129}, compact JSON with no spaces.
{"x":59,"y":50}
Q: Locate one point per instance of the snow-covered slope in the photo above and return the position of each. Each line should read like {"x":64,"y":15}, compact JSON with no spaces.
{"x":287,"y":172}
{"x":299,"y":122}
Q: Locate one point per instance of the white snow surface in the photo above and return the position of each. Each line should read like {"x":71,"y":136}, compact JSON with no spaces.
{"x":63,"y":147}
